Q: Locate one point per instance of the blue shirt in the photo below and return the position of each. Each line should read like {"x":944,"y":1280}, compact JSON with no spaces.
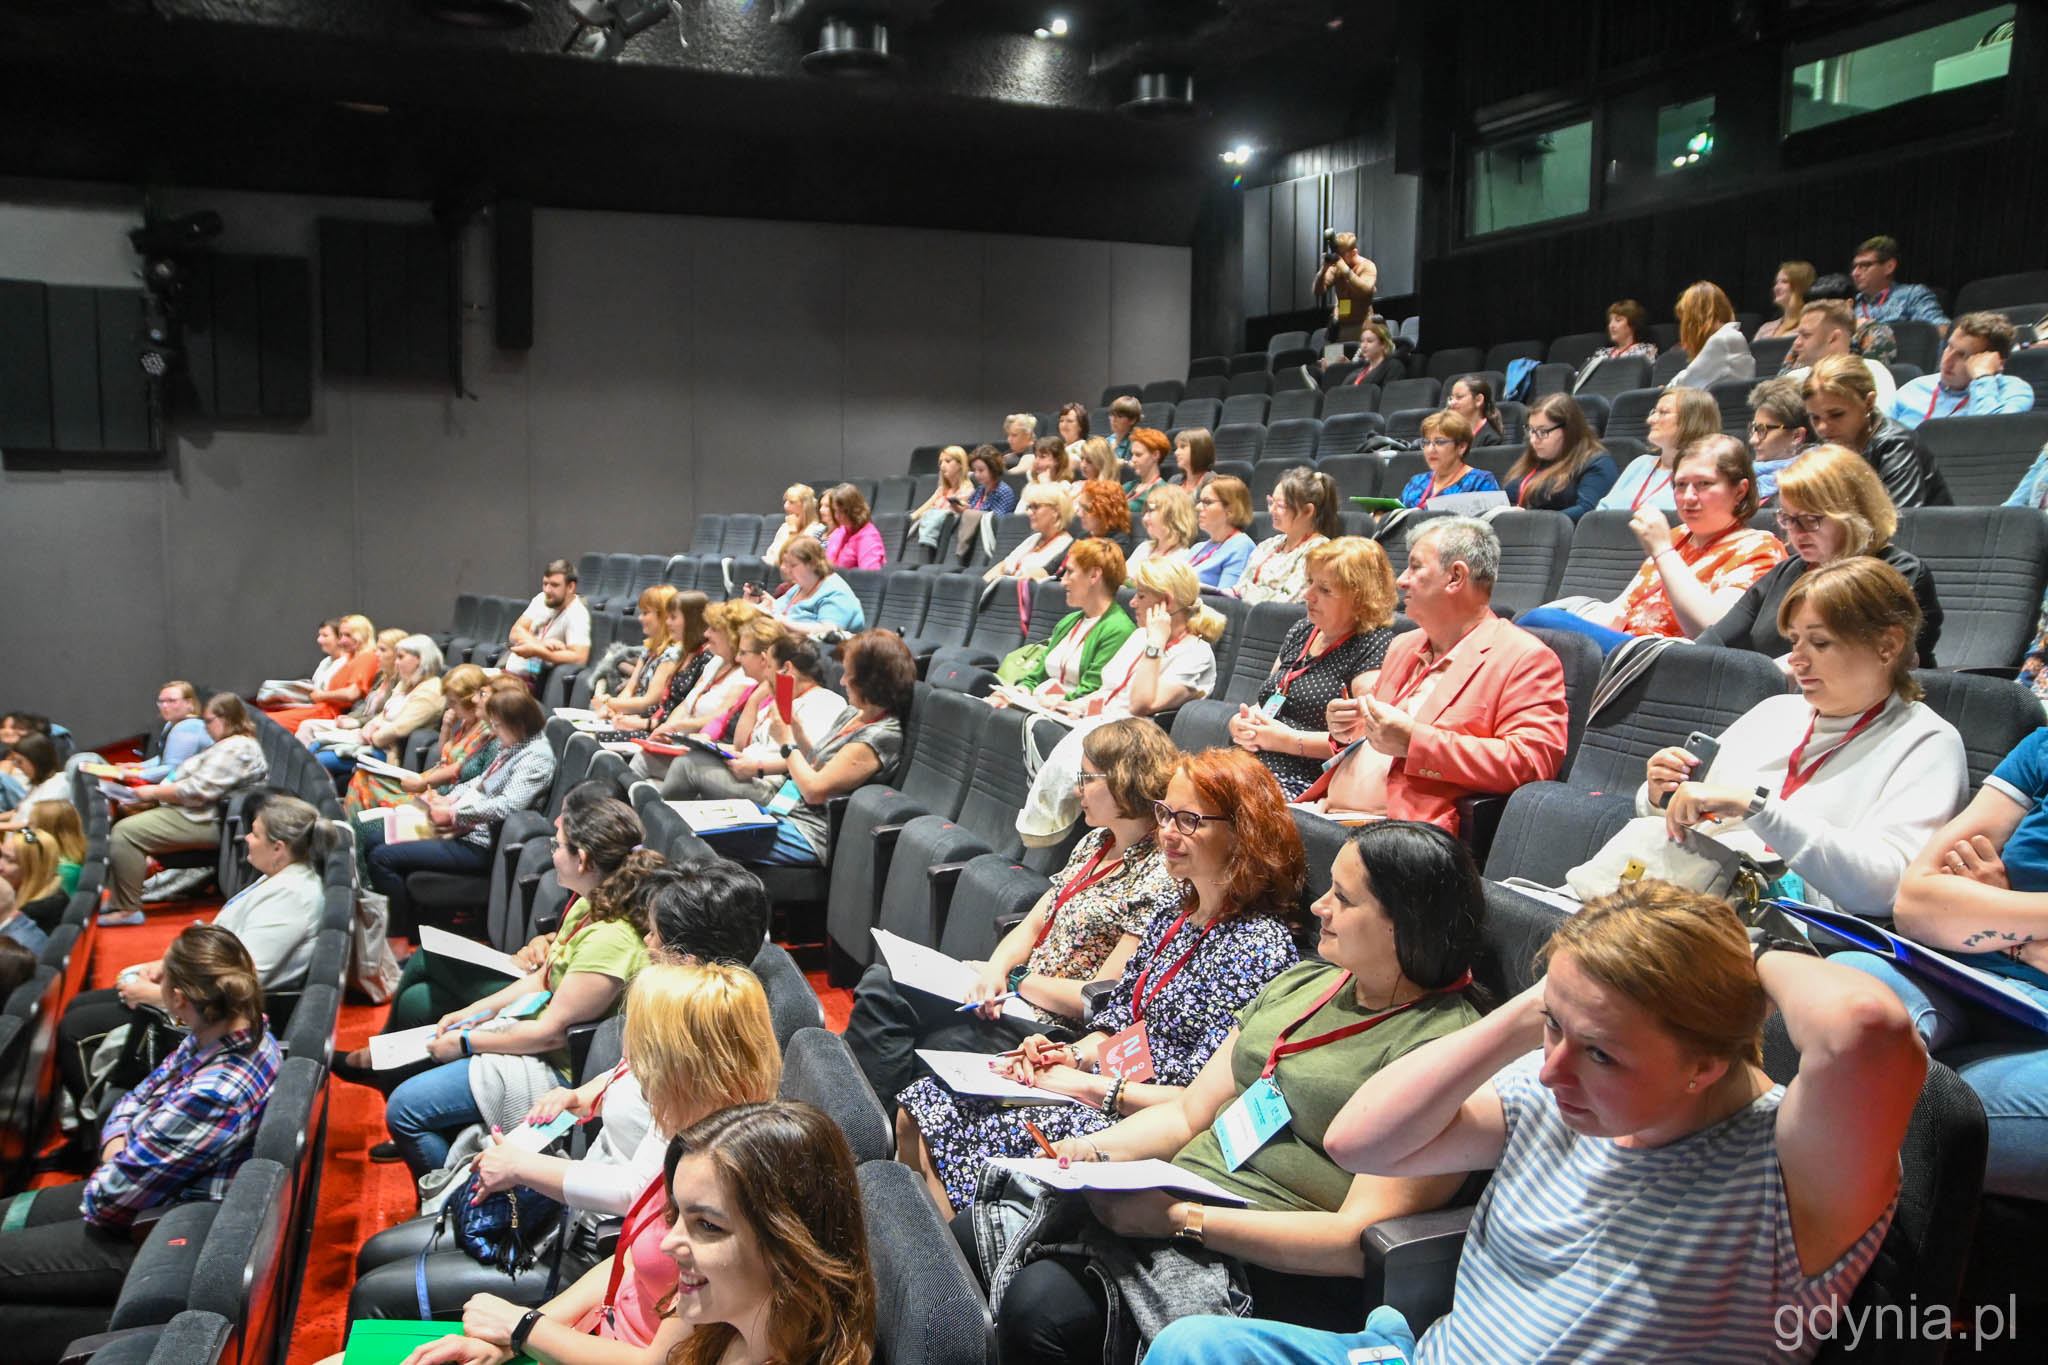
{"x":1416,"y":490}
{"x":1642,"y":473}
{"x":833,"y":604}
{"x":1219,"y":564}
{"x":1901,"y":303}
{"x":1918,"y":399}
{"x":187,"y":737}
{"x":2022,"y":777}
{"x":26,"y":932}
{"x":999,"y":501}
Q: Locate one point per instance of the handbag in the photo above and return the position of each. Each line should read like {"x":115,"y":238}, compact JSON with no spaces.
{"x":1022,"y":661}
{"x":1643,"y":850}
{"x":372,"y":970}
{"x":509,"y":1231}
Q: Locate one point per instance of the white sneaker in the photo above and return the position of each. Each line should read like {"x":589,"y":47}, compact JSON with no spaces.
{"x":176,"y":883}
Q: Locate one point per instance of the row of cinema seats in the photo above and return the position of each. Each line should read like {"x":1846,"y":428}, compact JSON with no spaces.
{"x":237,"y":1265}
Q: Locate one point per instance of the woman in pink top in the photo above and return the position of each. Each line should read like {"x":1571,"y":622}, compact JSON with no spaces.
{"x":698,"y":1040}
{"x":853,"y":542}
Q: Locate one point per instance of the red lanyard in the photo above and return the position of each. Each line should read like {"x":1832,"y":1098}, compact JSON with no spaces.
{"x":1306,"y":662}
{"x":1138,"y":995}
{"x":1934,"y":397}
{"x":1432,"y":490}
{"x":627,"y":1232}
{"x":1283,"y":1048}
{"x":1089,"y":876}
{"x":1212,"y":547}
{"x":1118,"y":690}
{"x":1795,"y":778}
{"x":1650,"y":490}
{"x":1863,"y":310}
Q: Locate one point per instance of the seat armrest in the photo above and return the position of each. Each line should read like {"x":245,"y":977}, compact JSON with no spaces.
{"x":885,"y":837}
{"x":1478,"y":821}
{"x":1993,"y":671}
{"x":1411,"y":1264}
{"x":145,"y":1223}
{"x":1092,"y":996}
{"x":84,"y":1349}
{"x":835,"y":819}
{"x":940,"y":879}
{"x":580,"y":1036}
{"x":1009,"y":920}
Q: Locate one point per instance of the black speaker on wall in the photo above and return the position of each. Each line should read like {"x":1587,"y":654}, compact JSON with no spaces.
{"x":512,"y":271}
{"x":387,"y":305}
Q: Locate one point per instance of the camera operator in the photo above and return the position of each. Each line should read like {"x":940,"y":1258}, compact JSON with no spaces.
{"x":1351,"y":280}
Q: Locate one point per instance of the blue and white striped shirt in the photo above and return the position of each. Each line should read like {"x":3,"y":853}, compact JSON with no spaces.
{"x":1583,"y":1250}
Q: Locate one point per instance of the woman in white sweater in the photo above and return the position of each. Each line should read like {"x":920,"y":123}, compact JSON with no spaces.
{"x":1847,"y":781}
{"x":1711,"y":337}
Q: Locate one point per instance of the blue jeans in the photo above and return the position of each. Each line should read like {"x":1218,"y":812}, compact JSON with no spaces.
{"x":389,"y":864}
{"x":340,"y":767}
{"x":2006,"y":1063}
{"x":782,"y":846}
{"x":425,"y":1109}
{"x":1608,"y":639}
{"x":1232,"y":1341}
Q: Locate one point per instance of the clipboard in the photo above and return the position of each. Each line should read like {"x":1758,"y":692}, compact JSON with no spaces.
{"x":1974,"y":984}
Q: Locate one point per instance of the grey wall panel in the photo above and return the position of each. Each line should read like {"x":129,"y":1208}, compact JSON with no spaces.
{"x":124,"y":391}
{"x":24,"y":365}
{"x":1280,"y":282}
{"x":1149,"y":302}
{"x":1308,"y":240}
{"x":912,"y":308}
{"x":74,"y":367}
{"x":766,"y":304}
{"x":1394,"y":203}
{"x":608,"y":384}
{"x":1045,"y":325}
{"x":1258,"y":250}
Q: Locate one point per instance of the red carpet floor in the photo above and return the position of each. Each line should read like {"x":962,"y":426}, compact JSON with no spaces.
{"x":357,"y":1198}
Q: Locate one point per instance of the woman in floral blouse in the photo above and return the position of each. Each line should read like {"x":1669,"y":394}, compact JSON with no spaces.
{"x":1083,"y":929}
{"x":1224,"y":834}
{"x":1303,"y":506}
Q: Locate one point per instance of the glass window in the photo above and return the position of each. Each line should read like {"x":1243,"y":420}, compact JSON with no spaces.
{"x":1528,"y":179}
{"x":1945,"y":57}
{"x":1685,"y":135}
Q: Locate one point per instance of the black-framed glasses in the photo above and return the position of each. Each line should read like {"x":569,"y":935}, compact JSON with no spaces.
{"x":1543,"y":433}
{"x":1766,"y":428}
{"x":1186,"y":821}
{"x":1808,"y":522}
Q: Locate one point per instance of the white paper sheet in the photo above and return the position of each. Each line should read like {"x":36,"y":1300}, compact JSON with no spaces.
{"x":389,"y":1050}
{"x":933,"y":972}
{"x":968,"y":1073}
{"x":441,"y":943}
{"x":1120,"y":1177}
{"x":534,"y":1137}
{"x":370,"y":763}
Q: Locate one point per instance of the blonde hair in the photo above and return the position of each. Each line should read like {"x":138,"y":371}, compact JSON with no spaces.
{"x":387,"y":677}
{"x":358,"y":628}
{"x":1177,"y":511}
{"x":957,"y":454}
{"x":1861,"y":599}
{"x":1835,"y":482}
{"x":59,"y":820}
{"x":1682,"y":956}
{"x":462,"y":682}
{"x":700,"y":1039}
{"x":1053,"y":494}
{"x":656,"y":600}
{"x":1099,"y":459}
{"x":1236,"y":499}
{"x":806,"y":500}
{"x":1021,"y":421}
{"x":1702,"y":310}
{"x":1845,"y":376}
{"x":37,"y":854}
{"x":806,"y":550}
{"x":1182,"y":589}
{"x":1361,"y":567}
{"x":730,"y":618}
{"x":1699,"y":416}
{"x":1450,"y":425}
{"x":761,"y":633}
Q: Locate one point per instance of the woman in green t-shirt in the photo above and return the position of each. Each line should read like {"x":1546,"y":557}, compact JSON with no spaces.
{"x":486,"y":1057}
{"x":1399,"y":927}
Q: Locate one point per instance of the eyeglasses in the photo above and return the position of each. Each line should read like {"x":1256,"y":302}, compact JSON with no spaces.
{"x":1428,"y":441}
{"x":1186,"y":821}
{"x":1207,"y":502}
{"x":1543,"y":433}
{"x":1808,"y":522}
{"x":1079,"y":778}
{"x":1766,"y":428}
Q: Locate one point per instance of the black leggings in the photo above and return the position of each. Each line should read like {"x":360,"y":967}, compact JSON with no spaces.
{"x":90,"y":1016}
{"x":59,"y":1275}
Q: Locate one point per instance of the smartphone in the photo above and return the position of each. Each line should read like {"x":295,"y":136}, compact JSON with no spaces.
{"x":1703,"y":747}
{"x":785,"y":696}
{"x":752,"y":590}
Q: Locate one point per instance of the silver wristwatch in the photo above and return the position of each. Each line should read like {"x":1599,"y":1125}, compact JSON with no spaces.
{"x":1153,"y":651}
{"x":1756,"y":803}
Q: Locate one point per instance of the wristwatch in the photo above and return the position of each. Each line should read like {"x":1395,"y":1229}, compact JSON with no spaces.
{"x":1190,"y":1229}
{"x":1153,"y":651}
{"x":1756,"y":803}
{"x":788,"y":749}
{"x":524,"y":1330}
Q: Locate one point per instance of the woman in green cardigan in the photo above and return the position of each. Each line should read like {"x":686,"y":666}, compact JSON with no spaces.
{"x":1086,"y":638}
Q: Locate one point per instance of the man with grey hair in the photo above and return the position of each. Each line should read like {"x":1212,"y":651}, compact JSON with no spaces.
{"x":1020,"y":429}
{"x":1466,"y":705}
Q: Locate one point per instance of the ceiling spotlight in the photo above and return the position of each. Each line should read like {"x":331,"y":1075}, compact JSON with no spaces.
{"x":1059,"y":27}
{"x":1240,"y":155}
{"x":1041,"y":33}
{"x":604,"y":27}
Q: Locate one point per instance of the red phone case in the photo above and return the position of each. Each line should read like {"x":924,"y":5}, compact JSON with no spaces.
{"x":785,"y":696}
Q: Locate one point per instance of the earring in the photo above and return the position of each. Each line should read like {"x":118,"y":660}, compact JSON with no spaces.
{"x":1693,"y":1084}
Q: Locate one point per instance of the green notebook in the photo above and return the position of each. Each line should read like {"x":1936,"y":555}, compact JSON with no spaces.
{"x":1378,"y":504}
{"x":384,"y":1341}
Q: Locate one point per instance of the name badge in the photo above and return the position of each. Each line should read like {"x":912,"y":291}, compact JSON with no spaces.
{"x":1273,"y":704}
{"x":786,"y":800}
{"x":1343,"y":308}
{"x":1250,"y":1121}
{"x":1129,"y":1055}
{"x":1377,"y":1355}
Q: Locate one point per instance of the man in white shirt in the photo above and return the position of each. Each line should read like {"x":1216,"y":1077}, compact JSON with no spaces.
{"x":1972,"y":381}
{"x":554,"y":628}
{"x":1826,"y":327}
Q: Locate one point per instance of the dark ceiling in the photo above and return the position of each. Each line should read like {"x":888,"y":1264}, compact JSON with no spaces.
{"x":980,"y":125}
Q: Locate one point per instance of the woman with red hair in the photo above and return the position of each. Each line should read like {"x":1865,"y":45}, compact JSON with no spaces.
{"x":1227,"y":841}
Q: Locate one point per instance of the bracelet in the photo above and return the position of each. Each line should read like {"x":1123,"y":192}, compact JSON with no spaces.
{"x":2014,"y":951}
{"x":465,"y":1044}
{"x":524,"y":1330}
{"x":1116,"y":1093}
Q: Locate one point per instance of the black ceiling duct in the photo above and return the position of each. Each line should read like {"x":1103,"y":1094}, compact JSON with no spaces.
{"x":850,"y":46}
{"x":492,"y":14}
{"x":1162,"y":96}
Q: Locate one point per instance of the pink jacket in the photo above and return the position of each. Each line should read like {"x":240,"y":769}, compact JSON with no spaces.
{"x":863,"y":552}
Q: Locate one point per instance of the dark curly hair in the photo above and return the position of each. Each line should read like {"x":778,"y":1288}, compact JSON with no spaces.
{"x":608,"y":832}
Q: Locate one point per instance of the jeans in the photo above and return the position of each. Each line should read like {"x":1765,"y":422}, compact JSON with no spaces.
{"x":2006,"y":1063}
{"x":340,"y":767}
{"x":1607,"y":638}
{"x":422,"y":1111}
{"x":782,"y":845}
{"x":1233,"y":1341}
{"x":704,"y":777}
{"x":389,"y":864}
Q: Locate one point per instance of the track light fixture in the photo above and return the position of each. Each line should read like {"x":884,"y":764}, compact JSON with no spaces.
{"x":604,"y":27}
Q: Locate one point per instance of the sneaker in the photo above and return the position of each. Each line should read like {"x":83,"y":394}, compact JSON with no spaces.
{"x":176,"y":883}
{"x":122,"y":919}
{"x":385,"y":1153}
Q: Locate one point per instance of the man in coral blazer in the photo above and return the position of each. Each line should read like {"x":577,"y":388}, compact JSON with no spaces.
{"x":1467,"y":704}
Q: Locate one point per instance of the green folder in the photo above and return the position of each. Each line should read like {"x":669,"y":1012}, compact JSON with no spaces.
{"x":384,"y":1341}
{"x":1378,"y":504}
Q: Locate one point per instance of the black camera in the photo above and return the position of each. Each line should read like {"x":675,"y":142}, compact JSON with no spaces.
{"x":1329,"y":246}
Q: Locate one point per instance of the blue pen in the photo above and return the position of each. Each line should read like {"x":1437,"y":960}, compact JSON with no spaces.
{"x":977,"y":1004}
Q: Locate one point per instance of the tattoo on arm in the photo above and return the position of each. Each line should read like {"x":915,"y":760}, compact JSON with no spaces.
{"x":1985,"y":938}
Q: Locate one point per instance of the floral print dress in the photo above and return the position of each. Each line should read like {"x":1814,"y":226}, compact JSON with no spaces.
{"x":1188,"y":1013}
{"x":1095,"y":918}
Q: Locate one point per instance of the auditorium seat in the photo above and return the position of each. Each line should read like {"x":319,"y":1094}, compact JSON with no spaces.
{"x":1514,"y":421}
{"x":1240,"y":441}
{"x":1597,"y":407}
{"x":1406,"y":425}
{"x":892,"y":494}
{"x":1991,"y":714}
{"x":1769,"y":354}
{"x":904,"y":595}
{"x":1163,"y":391}
{"x":1289,"y":368}
{"x":1265,"y":626}
{"x":1157,"y":414}
{"x":818,"y":1069}
{"x":993,"y":893}
{"x":1500,"y":354}
{"x":2000,"y":293}
{"x":923,"y":460}
{"x":1407,"y":393}
{"x":1293,"y":440}
{"x":1548,"y":828}
{"x":1919,"y":344}
{"x":1357,"y":476}
{"x":1204,"y":366}
{"x":1197,"y":412}
{"x":1574,"y":348}
{"x":1347,"y":434}
{"x":1295,"y":403}
{"x":1351,"y":398}
{"x":1629,"y":413}
{"x":1983,"y":458}
{"x":1533,"y":549}
{"x":1550,"y":378}
{"x":1496,"y":460}
{"x":1245,"y":408}
{"x":1990,"y":566}
{"x":1214,"y":386}
{"x":792,"y":1004}
{"x":1447,"y":365}
{"x":1285,"y":341}
{"x":1732,"y":396}
{"x":929,"y":1308}
{"x":1689,"y":687}
{"x":1669,"y":362}
{"x":2031,"y":365}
